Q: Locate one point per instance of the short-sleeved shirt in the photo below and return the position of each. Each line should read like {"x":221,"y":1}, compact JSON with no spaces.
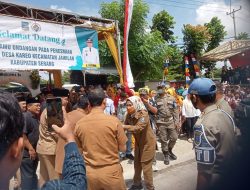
{"x":31,"y":130}
{"x":214,"y":141}
{"x":98,"y":137}
{"x":110,"y":108}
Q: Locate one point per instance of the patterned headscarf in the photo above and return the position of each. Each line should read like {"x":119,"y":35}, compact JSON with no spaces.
{"x":137,"y":103}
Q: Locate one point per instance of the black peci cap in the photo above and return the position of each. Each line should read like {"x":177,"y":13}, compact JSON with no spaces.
{"x":60,"y":92}
{"x":32,"y":100}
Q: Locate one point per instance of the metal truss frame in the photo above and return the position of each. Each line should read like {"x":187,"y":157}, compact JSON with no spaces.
{"x":227,"y":50}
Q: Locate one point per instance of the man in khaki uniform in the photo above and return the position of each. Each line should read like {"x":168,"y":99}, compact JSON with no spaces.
{"x":214,"y":137}
{"x":221,"y":102}
{"x":46,"y":146}
{"x":74,"y":116}
{"x":137,"y":121}
{"x":167,"y":121}
{"x":100,"y":137}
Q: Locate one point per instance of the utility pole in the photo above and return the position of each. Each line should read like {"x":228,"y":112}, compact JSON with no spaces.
{"x":232,"y":14}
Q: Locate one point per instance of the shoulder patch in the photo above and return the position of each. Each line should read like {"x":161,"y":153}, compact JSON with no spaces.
{"x":142,"y":120}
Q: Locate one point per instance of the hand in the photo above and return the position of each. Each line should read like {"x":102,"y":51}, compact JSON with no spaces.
{"x":66,"y":131}
{"x":177,"y":126}
{"x":125,"y":127}
{"x":144,"y":100}
{"x":32,"y":154}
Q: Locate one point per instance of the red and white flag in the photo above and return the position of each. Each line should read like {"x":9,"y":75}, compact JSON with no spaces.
{"x":127,"y":74}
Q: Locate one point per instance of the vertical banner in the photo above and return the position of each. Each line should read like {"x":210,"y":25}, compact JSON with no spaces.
{"x":128,"y":77}
{"x":196,"y":66}
{"x":187,"y":74}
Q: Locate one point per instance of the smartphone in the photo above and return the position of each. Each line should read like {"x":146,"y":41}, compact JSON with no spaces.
{"x":54,"y":113}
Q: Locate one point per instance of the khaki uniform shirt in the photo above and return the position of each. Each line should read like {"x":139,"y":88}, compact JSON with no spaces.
{"x":98,"y":137}
{"x":47,"y":140}
{"x":145,"y":142}
{"x":224,"y":105}
{"x":73,"y":116}
{"x":214,"y":130}
{"x":167,"y":109}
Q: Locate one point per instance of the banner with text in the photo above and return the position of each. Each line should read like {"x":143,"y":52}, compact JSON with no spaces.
{"x":29,"y":44}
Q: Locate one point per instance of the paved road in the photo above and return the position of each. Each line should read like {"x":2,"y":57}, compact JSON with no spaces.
{"x":178,"y":177}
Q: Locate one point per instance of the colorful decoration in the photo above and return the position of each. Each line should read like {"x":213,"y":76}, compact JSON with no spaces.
{"x":165,"y":66}
{"x":127,"y":73}
{"x":196,"y":66}
{"x":187,"y":74}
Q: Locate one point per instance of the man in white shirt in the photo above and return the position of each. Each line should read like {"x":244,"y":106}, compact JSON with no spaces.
{"x":90,"y":55}
{"x":189,"y":114}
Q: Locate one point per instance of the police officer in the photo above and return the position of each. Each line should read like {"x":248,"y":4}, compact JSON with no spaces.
{"x":167,"y":120}
{"x":214,"y":137}
{"x":90,"y":54}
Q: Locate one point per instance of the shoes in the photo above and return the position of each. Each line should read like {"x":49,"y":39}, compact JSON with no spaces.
{"x":166,"y":158}
{"x":129,"y":156}
{"x":155,"y":168}
{"x":189,"y":140}
{"x":171,"y":155}
{"x":136,"y":187}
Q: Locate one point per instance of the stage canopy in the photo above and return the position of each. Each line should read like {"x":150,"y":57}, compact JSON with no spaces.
{"x":227,"y":50}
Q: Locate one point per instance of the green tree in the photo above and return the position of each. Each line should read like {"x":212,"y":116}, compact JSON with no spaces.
{"x":242,"y":36}
{"x":217,"y":33}
{"x":164,"y":22}
{"x":195,"y":39}
{"x":65,"y":77}
{"x":176,"y":68}
{"x":145,"y":50}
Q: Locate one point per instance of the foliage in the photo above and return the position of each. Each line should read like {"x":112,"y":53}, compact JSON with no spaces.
{"x":217,"y":72}
{"x":195,"y":39}
{"x":176,"y":68}
{"x":216,"y":31}
{"x":164,"y":23}
{"x":242,"y":36}
{"x":146,"y":50}
{"x":65,"y":77}
{"x":35,"y":79}
{"x":200,"y":39}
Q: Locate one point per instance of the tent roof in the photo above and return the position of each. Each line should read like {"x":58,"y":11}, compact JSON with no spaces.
{"x":57,"y":17}
{"x":227,"y":50}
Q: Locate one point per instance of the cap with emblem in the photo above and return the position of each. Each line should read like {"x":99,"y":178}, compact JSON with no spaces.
{"x":143,"y":91}
{"x":89,"y":40}
{"x":60,"y":92}
{"x":32,"y":100}
{"x":202,"y":86}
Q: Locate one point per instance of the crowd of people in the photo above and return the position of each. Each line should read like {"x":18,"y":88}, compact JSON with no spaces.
{"x":102,"y":127}
{"x":238,"y":75}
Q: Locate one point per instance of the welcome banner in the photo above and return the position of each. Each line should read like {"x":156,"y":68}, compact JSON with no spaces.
{"x":29,"y":44}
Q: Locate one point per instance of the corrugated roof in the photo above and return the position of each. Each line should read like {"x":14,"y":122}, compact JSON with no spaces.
{"x":227,"y":50}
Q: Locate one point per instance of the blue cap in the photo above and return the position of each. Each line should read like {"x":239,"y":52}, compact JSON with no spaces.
{"x":202,"y":86}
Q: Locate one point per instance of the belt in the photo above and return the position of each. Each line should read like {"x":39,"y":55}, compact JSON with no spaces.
{"x":165,"y":119}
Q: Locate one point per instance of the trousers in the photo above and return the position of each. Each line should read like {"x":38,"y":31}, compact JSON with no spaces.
{"x":47,"y":169}
{"x":168,"y":136}
{"x":146,"y":168}
{"x":105,"y":178}
{"x":28,"y":174}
